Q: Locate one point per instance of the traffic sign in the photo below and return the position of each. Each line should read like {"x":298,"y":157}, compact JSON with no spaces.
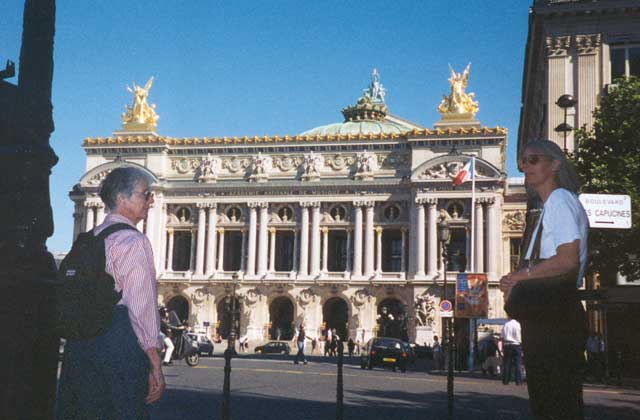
{"x":446,"y":309}
{"x":607,"y":211}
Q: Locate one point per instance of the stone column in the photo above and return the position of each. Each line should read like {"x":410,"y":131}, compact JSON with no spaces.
{"x":357,"y":241}
{"x":379,"y":249}
{"x":432,"y":229}
{"x":88,"y":217}
{"x":253,"y":222}
{"x":170,"y":251}
{"x":403,"y":262}
{"x":272,"y":249}
{"x":420,"y":246}
{"x":162,"y":261}
{"x":493,"y":241}
{"x":315,"y":239}
{"x":243,"y":251}
{"x":304,"y":240}
{"x":369,"y":250}
{"x":325,"y":249}
{"x":478,"y":233}
{"x":220,"y":250}
{"x":559,"y":82}
{"x":211,"y":240}
{"x":77,"y":221}
{"x":263,"y":244}
{"x":151,"y":228}
{"x":100,"y":213}
{"x":588,"y":47}
{"x":202,"y":222}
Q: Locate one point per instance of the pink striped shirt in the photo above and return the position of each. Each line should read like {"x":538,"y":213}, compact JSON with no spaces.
{"x":130,"y":261}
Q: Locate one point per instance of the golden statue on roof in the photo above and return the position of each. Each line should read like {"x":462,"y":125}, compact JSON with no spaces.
{"x":140,"y":116}
{"x":458,"y":105}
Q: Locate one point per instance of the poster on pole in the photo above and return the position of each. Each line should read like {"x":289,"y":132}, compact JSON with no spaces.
{"x":472,"y":296}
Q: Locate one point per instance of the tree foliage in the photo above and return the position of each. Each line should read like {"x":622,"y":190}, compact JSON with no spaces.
{"x":608,"y":159}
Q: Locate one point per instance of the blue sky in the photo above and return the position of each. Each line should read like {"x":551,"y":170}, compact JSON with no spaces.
{"x":225,"y":68}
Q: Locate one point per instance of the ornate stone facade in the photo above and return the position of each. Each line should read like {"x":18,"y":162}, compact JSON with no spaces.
{"x":336,"y":231}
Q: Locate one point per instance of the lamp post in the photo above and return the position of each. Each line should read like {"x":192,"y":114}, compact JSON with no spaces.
{"x":229,"y":353}
{"x":444,"y":235}
{"x":565,"y":102}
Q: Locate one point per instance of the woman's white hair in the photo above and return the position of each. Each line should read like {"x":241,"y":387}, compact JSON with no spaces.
{"x":566,"y":176}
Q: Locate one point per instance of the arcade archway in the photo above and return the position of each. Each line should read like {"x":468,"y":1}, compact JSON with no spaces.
{"x":281,"y":319}
{"x":392,"y":319}
{"x":225,"y":316}
{"x":180,"y":305}
{"x":335,"y":314}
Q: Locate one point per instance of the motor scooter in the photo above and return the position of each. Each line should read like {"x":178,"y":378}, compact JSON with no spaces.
{"x":184,"y":347}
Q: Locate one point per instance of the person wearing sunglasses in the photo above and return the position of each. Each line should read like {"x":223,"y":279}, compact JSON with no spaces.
{"x":553,"y":348}
{"x":119,"y":373}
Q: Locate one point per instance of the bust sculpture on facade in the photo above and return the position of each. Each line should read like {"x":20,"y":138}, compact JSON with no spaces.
{"x":311,"y":167}
{"x":208,"y":169}
{"x":260,"y":167}
{"x":366,"y":164}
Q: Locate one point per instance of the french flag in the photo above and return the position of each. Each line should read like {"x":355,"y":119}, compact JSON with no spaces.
{"x":467,"y":173}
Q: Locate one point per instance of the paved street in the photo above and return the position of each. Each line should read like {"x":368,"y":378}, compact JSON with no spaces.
{"x":272,"y":387}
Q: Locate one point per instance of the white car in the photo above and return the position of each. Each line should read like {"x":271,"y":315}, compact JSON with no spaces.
{"x":205,"y":346}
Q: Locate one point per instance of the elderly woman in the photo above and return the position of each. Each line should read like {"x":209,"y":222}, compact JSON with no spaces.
{"x":553,"y":346}
{"x":117,"y":374}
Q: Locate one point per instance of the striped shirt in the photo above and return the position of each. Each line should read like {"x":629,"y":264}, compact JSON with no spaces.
{"x":129,"y":259}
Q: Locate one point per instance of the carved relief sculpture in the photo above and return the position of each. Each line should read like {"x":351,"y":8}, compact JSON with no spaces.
{"x":260,"y":167}
{"x":425,"y":308}
{"x":366,"y":164}
{"x":311,"y":167}
{"x":208,"y":169}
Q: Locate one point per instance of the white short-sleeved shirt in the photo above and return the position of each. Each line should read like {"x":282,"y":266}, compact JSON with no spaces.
{"x":564,"y":221}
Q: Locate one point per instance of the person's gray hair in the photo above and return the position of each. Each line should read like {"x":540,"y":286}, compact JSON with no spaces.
{"x":566,"y":176}
{"x":122,"y":181}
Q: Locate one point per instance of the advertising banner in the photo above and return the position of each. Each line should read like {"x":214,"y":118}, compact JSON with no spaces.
{"x":472,"y":297}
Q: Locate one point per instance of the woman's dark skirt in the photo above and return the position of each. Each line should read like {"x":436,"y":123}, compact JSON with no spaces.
{"x":554,"y":359}
{"x":105,"y":377}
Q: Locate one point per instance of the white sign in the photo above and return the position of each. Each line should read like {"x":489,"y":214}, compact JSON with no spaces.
{"x":607,"y":211}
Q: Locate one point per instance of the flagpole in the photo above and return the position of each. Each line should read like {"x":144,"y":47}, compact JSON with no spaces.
{"x":473,"y":214}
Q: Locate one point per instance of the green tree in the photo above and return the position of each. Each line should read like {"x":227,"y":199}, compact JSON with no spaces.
{"x":608,"y":159}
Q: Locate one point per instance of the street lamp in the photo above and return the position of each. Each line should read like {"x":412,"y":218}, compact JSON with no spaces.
{"x":228,"y":354}
{"x":565,"y":102}
{"x":444,"y":235}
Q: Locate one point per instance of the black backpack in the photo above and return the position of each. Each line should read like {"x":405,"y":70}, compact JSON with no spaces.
{"x":85,"y":292}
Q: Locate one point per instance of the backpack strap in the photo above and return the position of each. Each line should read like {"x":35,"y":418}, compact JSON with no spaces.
{"x":112,"y":229}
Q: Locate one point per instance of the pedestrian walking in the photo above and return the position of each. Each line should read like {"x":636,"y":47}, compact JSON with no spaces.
{"x":314,"y":345}
{"x":301,"y":337}
{"x":351,"y":346}
{"x":117,"y":374}
{"x":437,"y":353}
{"x":512,"y":352}
{"x":556,"y":255}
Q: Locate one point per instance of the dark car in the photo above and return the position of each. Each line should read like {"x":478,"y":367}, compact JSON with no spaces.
{"x":384,"y":351}
{"x":205,"y":346}
{"x":278,"y":347}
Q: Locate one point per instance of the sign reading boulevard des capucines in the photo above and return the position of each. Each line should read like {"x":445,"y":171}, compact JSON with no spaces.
{"x":607,"y":211}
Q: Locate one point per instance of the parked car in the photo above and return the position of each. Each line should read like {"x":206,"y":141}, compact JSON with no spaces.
{"x":423,"y":352}
{"x":385,"y":351}
{"x":278,"y":347}
{"x":205,"y":346}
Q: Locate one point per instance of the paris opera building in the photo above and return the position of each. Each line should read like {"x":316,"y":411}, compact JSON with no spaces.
{"x":334,"y":228}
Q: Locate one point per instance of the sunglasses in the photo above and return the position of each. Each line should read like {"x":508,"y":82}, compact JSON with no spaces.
{"x":146,"y":194}
{"x":531,"y":159}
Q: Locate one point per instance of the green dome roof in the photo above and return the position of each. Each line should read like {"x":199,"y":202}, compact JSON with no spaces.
{"x":357,"y":127}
